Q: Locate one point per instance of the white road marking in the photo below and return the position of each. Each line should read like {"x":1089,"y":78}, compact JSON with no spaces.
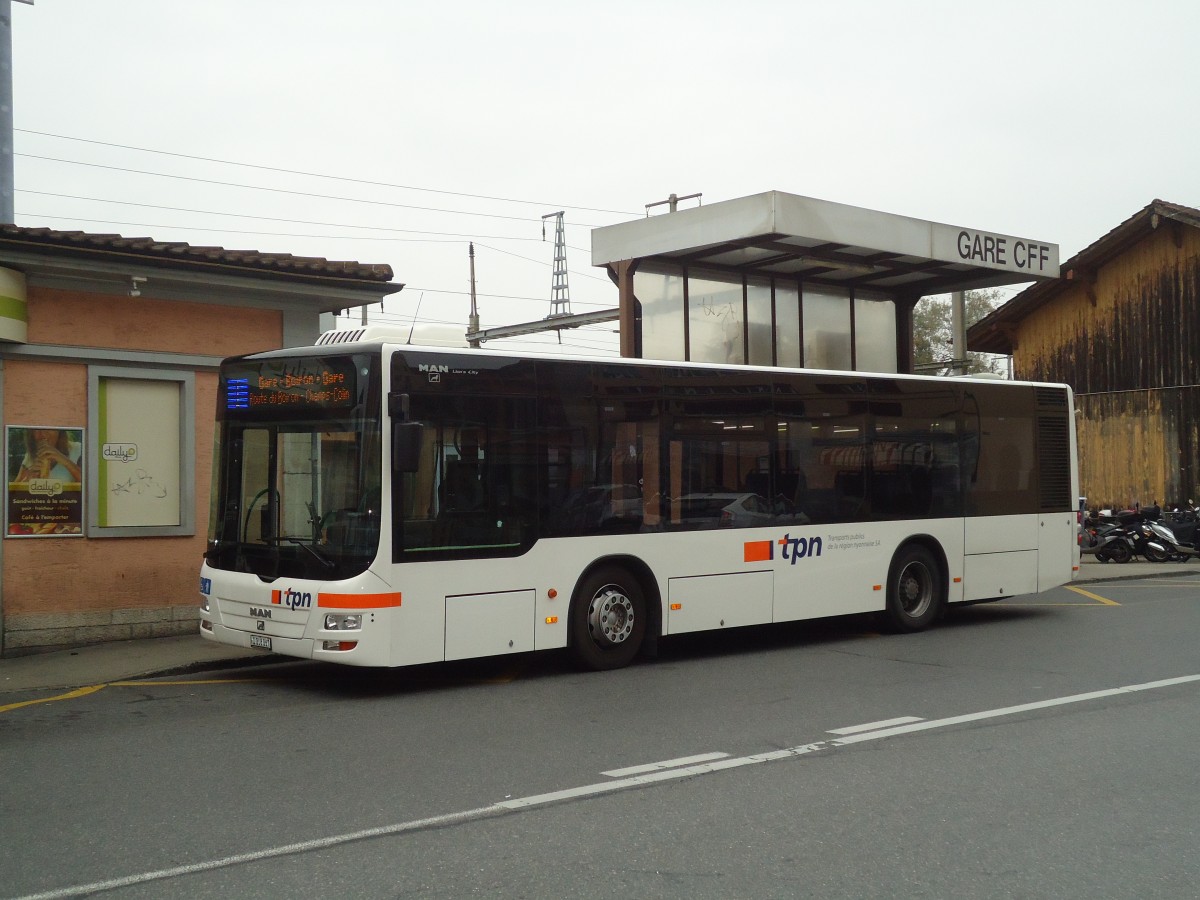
{"x":507,"y":807}
{"x":872,"y":726}
{"x":1013,"y":710}
{"x":665,"y":764}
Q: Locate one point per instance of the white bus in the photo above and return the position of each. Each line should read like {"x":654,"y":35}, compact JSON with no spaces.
{"x":382,"y":504}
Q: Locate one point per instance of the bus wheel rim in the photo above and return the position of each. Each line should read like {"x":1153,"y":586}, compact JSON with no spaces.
{"x":610,"y":616}
{"x":915,"y":589}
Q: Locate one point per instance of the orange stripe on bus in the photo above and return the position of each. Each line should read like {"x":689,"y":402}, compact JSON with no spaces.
{"x":757,"y":551}
{"x":358,"y":601}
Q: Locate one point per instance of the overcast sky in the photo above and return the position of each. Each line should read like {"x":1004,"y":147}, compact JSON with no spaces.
{"x":409,"y":128}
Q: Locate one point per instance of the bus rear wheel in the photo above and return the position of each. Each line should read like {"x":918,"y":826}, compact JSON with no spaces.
{"x":608,"y":619}
{"x":916,"y":591}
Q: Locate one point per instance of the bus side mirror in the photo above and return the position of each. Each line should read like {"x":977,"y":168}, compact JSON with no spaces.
{"x":406,"y":446}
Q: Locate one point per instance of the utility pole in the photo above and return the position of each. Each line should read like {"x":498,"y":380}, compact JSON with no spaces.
{"x":560,"y":296}
{"x":958,"y":333}
{"x":8,"y":214}
{"x":473,"y":321}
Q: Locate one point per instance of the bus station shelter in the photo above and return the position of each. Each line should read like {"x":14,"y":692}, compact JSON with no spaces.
{"x":777,"y":279}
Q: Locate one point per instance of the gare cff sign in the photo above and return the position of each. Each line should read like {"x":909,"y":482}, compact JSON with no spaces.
{"x":975,"y":246}
{"x":996,"y":251}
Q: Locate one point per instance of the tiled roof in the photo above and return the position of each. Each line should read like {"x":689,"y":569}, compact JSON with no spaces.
{"x":993,"y":333}
{"x":177,"y":254}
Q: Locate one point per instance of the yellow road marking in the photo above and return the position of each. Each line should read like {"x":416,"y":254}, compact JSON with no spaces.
{"x":503,"y":678}
{"x":93,"y":688}
{"x":1071,"y":605}
{"x":198,"y":681}
{"x":78,"y":692}
{"x":1092,"y":596}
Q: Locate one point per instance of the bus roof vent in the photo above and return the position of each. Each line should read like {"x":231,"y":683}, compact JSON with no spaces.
{"x":424,"y":335}
{"x":344,"y":336}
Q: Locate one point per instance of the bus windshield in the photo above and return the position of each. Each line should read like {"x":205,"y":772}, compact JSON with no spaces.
{"x":296,"y":491}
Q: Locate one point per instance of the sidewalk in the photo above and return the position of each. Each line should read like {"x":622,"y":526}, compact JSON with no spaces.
{"x":122,"y":661}
{"x":126,"y":660}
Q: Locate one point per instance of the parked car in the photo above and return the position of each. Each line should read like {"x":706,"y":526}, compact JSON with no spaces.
{"x":734,"y":510}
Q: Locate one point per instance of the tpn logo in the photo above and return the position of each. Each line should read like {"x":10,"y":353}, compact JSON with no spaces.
{"x":292,"y":599}
{"x":790,"y":549}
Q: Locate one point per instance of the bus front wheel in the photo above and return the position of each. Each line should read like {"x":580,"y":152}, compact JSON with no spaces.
{"x":608,"y":619}
{"x":916,"y":592}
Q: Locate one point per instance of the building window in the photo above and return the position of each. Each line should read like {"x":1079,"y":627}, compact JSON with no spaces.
{"x":142,"y":428}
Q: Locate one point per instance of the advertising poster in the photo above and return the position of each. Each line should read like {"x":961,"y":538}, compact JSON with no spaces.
{"x":45,"y":481}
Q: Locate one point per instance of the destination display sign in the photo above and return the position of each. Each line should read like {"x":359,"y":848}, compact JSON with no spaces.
{"x":327,"y":383}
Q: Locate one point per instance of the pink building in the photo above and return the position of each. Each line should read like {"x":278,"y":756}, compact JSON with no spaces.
{"x":108,"y":355}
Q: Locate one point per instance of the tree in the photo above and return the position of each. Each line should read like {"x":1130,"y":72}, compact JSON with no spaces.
{"x":933,"y":346}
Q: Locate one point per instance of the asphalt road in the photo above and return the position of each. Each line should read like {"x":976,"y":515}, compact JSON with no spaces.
{"x":1043,"y":746}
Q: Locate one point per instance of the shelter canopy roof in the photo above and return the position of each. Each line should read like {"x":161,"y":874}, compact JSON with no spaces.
{"x":774,"y":233}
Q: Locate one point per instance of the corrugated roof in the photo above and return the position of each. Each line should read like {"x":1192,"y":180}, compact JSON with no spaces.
{"x":994,"y":332}
{"x":177,"y":254}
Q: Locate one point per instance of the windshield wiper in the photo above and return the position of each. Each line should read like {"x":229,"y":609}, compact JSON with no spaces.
{"x":316,"y":554}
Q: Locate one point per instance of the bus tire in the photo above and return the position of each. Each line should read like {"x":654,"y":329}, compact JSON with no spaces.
{"x":608,"y":619}
{"x":916,"y":590}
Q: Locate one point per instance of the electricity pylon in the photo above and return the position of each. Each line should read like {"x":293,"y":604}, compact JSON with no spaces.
{"x":560,"y":295}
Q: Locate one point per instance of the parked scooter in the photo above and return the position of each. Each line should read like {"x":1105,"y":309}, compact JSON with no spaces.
{"x":1177,"y":533}
{"x":1108,"y":542}
{"x":1146,"y":542}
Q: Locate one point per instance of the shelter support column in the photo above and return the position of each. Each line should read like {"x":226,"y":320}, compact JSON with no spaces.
{"x":904,"y":334}
{"x":629,"y":324}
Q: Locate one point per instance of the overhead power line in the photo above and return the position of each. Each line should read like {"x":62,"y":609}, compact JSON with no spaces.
{"x":308,"y":194}
{"x":404,"y":187}
{"x":291,"y":234}
{"x":214,"y":212}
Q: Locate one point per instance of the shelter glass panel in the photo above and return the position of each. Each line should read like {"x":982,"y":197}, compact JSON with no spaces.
{"x":787,"y":324}
{"x":874,"y":334}
{"x":715,"y":320}
{"x":826,"y":328}
{"x":758,"y":321}
{"x":659,"y":289}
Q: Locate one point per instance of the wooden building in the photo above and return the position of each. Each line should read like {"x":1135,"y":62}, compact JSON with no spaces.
{"x":1122,"y":327}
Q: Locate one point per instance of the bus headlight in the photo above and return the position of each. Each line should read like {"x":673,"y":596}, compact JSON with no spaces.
{"x":343,"y":622}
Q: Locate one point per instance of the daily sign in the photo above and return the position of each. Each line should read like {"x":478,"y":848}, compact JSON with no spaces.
{"x":996,"y":251}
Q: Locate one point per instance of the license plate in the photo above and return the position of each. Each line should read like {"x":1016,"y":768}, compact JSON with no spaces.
{"x":258,"y":640}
